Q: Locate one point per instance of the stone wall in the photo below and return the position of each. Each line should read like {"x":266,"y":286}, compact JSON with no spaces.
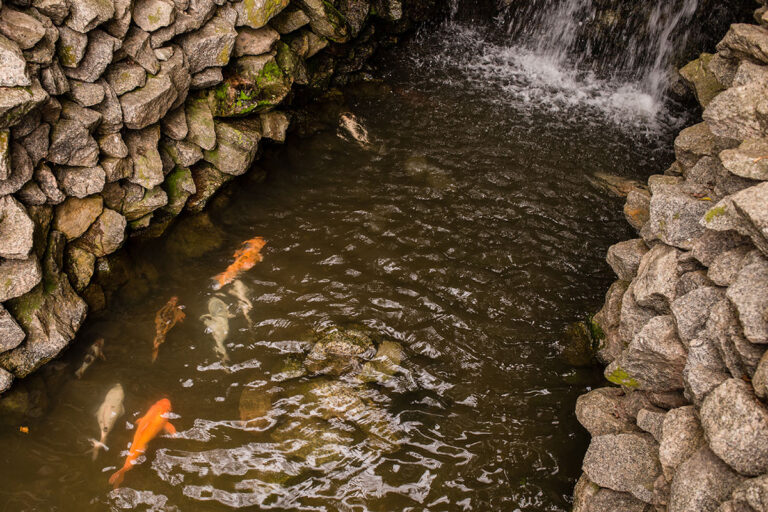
{"x":685,"y":327}
{"x":118,"y":115}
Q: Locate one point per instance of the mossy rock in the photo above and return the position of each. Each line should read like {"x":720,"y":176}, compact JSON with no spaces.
{"x":257,"y":84}
{"x":581,"y":342}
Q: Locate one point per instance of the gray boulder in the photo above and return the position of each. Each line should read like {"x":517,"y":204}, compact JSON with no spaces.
{"x":237,"y":143}
{"x":745,"y":40}
{"x":21,"y":170}
{"x":749,"y":160}
{"x":206,"y":78}
{"x":151,"y":15}
{"x":739,"y":355}
{"x":289,"y":20}
{"x":81,"y":181}
{"x":178,"y":186}
{"x":606,"y":411}
{"x":200,"y":123}
{"x":760,"y":378}
{"x":48,"y":184}
{"x":256,"y":13}
{"x":140,"y":202}
{"x":724,"y":269}
{"x":633,"y":317}
{"x":704,"y":369}
{"x":16,"y":230}
{"x":624,"y":257}
{"x":56,"y":10}
{"x":325,"y":20}
{"x":651,"y":420}
{"x":105,"y":236}
{"x":211,"y":46}
{"x":74,"y":216}
{"x":732,"y":114}
{"x":22,"y":28}
{"x":681,"y":437}
{"x":71,"y":47}
{"x":12,"y":65}
{"x":15,"y":102}
{"x":147,"y":165}
{"x":701,"y":483}
{"x":113,"y":145}
{"x":98,"y":55}
{"x":694,"y":142}
{"x":752,"y":494}
{"x":79,"y":266}
{"x":37,"y":143}
{"x":736,"y":425}
{"x":89,"y":118}
{"x":675,"y":215}
{"x":85,"y":15}
{"x":749,"y":297}
{"x":657,"y":277}
{"x":653,"y":361}
{"x":174,"y":124}
{"x":182,"y":153}
{"x":110,"y":110}
{"x":125,"y":76}
{"x":692,"y":310}
{"x":71,"y":144}
{"x":20,"y":276}
{"x":50,"y":316}
{"x":745,"y":212}
{"x":713,"y":243}
{"x":255,"y":42}
{"x":137,"y":46}
{"x":608,"y":319}
{"x":11,"y":334}
{"x":625,"y":463}
{"x":148,"y":104}
{"x":116,"y":169}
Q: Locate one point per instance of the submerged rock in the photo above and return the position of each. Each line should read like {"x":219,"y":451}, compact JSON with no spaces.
{"x":339,"y":350}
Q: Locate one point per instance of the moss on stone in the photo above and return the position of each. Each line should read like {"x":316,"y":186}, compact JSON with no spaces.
{"x":715,"y":212}
{"x":622,"y":378}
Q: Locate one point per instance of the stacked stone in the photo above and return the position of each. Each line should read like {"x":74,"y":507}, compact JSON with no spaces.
{"x":117,"y":115}
{"x":686,"y":325}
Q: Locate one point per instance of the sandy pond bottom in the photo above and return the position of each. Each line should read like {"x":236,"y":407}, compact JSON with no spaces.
{"x":467,"y":231}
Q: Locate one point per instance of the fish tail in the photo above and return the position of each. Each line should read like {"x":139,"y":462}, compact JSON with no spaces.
{"x":117,"y":478}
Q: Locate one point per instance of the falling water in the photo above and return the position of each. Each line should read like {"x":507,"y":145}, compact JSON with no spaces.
{"x":613,"y":55}
{"x":614,"y":40}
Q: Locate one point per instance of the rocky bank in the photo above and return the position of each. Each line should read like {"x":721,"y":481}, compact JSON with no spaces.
{"x":118,"y":115}
{"x":684,"y":329}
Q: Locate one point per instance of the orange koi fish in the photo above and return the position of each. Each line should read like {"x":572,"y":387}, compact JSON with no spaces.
{"x":148,"y":427}
{"x":165,"y":319}
{"x":245,"y":258}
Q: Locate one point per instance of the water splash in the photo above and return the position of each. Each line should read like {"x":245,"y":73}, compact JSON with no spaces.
{"x":617,"y":41}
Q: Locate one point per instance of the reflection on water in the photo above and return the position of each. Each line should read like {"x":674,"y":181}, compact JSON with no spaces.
{"x":457,"y":243}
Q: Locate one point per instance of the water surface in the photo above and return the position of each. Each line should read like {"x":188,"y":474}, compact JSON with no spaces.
{"x":467,"y":231}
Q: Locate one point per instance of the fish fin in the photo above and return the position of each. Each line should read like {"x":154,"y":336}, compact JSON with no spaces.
{"x":102,"y":356}
{"x":117,"y":478}
{"x":169,"y":429}
{"x":97,"y":445}
{"x":154,"y":354}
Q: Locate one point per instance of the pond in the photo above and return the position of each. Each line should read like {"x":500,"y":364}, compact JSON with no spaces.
{"x":463,"y":237}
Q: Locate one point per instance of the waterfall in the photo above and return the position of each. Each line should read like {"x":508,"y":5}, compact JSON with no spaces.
{"x":622,"y":41}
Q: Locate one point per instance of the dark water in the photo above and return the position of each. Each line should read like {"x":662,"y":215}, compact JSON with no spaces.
{"x":467,"y":231}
